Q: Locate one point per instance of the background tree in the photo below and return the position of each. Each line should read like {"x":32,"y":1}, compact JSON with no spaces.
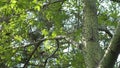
{"x":43,"y":33}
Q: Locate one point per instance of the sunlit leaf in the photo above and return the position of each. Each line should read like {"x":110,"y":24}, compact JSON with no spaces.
{"x":44,"y":32}
{"x":37,"y":7}
{"x":54,"y":34}
{"x":18,"y":38}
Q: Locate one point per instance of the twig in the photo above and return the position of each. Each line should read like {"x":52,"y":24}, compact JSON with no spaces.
{"x":47,"y":4}
{"x":57,"y":41}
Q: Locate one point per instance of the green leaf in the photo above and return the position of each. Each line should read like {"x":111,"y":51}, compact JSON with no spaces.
{"x":44,"y":32}
{"x":54,"y":34}
{"x":13,"y":1}
{"x":37,"y":7}
{"x":18,"y":38}
{"x":19,"y":58}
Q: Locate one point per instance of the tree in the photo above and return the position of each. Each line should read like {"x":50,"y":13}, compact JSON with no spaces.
{"x":59,"y":33}
{"x":91,"y":45}
{"x":90,"y":34}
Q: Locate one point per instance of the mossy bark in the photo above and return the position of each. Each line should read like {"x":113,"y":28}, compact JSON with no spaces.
{"x":92,"y":50}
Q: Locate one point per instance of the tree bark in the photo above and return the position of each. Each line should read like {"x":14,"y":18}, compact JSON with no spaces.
{"x":92,"y":51}
{"x":112,"y":51}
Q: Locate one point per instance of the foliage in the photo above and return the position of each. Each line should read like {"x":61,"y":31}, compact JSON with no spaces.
{"x":23,"y":23}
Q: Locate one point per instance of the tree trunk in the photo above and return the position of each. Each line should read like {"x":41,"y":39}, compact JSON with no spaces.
{"x":112,"y":51}
{"x":92,"y":50}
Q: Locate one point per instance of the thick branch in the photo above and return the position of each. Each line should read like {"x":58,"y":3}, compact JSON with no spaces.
{"x":112,"y":51}
{"x":103,"y":28}
{"x":36,"y":46}
{"x":68,"y":40}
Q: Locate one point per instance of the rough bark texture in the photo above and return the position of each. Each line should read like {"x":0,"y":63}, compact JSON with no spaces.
{"x":92,"y":50}
{"x":112,"y":52}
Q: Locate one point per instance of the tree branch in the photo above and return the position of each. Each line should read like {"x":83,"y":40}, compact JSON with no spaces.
{"x":112,"y":51}
{"x":47,"y":4}
{"x":36,"y":46}
{"x":103,"y":28}
{"x":57,"y":41}
{"x":44,"y":39}
{"x":68,"y":40}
